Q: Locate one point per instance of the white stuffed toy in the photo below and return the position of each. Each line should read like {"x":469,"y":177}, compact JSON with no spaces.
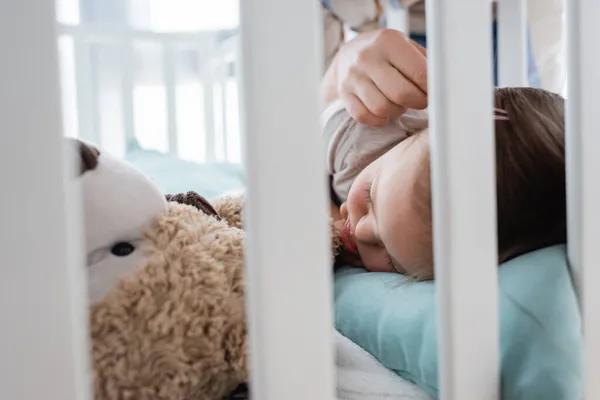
{"x":119,"y":204}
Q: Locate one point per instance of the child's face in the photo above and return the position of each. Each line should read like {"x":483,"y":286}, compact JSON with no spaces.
{"x":382,"y":224}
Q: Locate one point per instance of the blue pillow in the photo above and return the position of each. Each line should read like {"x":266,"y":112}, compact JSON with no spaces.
{"x":540,"y":337}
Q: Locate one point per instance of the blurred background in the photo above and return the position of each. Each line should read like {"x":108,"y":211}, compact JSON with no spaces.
{"x":155,"y":82}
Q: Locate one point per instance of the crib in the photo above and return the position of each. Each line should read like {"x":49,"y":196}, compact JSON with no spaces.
{"x":44,"y":342}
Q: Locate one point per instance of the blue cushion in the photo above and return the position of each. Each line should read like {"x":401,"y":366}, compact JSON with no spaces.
{"x":540,"y":338}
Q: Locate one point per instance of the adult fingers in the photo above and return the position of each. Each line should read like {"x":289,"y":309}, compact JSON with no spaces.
{"x":411,"y":62}
{"x":374,"y":100}
{"x":359,"y":111}
{"x":420,"y":48}
{"x":397,"y":88}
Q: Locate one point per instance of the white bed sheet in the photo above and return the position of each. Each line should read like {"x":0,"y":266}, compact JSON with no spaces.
{"x":361,"y":377}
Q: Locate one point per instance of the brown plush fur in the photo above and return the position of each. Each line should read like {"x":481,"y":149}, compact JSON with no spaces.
{"x":230,"y":209}
{"x":176,"y":328}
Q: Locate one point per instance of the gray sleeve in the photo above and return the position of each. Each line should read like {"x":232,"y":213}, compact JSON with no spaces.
{"x":352,"y":146}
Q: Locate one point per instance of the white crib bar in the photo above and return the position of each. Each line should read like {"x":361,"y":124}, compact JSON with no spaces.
{"x":43,"y":303}
{"x":221,"y":78}
{"x":127,"y":92}
{"x":208,"y":93}
{"x":88,"y":127}
{"x":396,"y":15}
{"x":289,"y":271}
{"x":170,"y":82}
{"x":512,"y":43}
{"x":464,"y":202}
{"x":208,"y":101}
{"x":583,"y":164}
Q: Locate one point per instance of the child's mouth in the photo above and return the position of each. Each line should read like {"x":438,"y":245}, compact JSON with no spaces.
{"x":347,"y":239}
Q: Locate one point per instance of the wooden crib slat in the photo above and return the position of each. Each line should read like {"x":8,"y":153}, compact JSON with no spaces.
{"x":289,"y":271}
{"x":583,"y":164}
{"x":512,"y":43}
{"x":464,"y":202}
{"x":43,"y":301}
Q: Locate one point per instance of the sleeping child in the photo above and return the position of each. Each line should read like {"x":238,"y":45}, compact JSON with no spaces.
{"x":381,"y":178}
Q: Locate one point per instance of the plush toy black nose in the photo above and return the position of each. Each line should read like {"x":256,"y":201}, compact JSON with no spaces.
{"x":87,"y":156}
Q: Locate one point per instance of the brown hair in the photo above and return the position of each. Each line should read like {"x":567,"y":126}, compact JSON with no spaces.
{"x":530,"y":172}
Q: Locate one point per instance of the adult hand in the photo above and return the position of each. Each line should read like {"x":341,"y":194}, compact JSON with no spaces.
{"x":379,"y":75}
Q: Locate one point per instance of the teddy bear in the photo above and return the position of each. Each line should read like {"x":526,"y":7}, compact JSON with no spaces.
{"x":166,"y":286}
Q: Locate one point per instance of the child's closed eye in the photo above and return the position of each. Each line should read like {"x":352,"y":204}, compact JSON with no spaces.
{"x":393,"y":264}
{"x":390,"y":262}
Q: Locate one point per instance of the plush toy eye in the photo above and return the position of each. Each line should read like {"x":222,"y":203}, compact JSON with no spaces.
{"x":122,"y":249}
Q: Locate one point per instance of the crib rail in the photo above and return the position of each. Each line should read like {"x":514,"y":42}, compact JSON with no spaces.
{"x":512,"y":43}
{"x":583,"y":185}
{"x":464,"y":197}
{"x":289,"y":293}
{"x":215,"y":52}
{"x":43,"y":301}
